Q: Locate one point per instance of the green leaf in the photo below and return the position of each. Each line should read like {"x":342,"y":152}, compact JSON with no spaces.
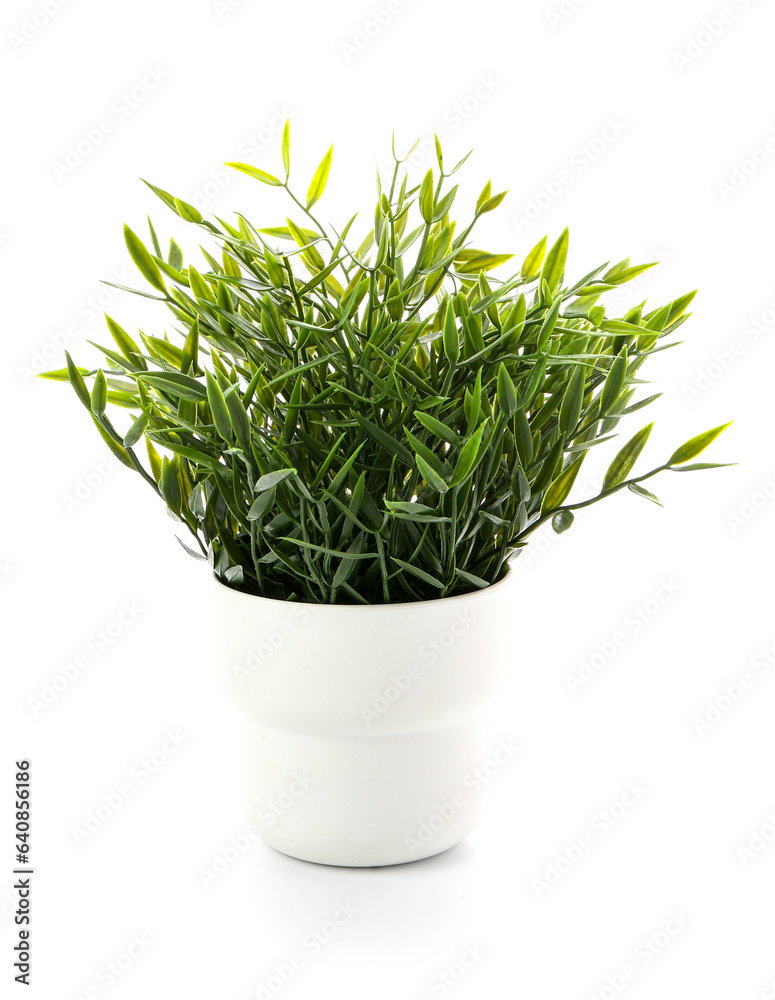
{"x":77,"y":382}
{"x":702,"y":465}
{"x":491,"y":203}
{"x":439,"y":428}
{"x":417,"y":512}
{"x":341,"y":477}
{"x":176,"y":384}
{"x":678,"y":307}
{"x":286,"y":147}
{"x":318,"y":185}
{"x":218,"y":407}
{"x":507,"y":393}
{"x":419,"y":573}
{"x":439,"y":154}
{"x":641,"y":492}
{"x":169,"y":486}
{"x":451,"y":336}
{"x":154,"y":459}
{"x":479,"y":260}
{"x":191,"y":349}
{"x":124,"y":342}
{"x":201,"y":288}
{"x":261,"y":505}
{"x":692,"y":448}
{"x":320,"y":277}
{"x":260,"y":175}
{"x":187,"y":212}
{"x":99,"y":394}
{"x":614,"y":382}
{"x":558,"y":491}
{"x":444,"y":205}
{"x":621,"y":466}
{"x":144,"y":262}
{"x":426,"y":197}
{"x":387,"y":441}
{"x":292,"y":411}
{"x":310,"y":253}
{"x":547,"y":327}
{"x":136,"y":431}
{"x":175,"y":256}
{"x":239,"y":419}
{"x":533,"y":261}
{"x":572,"y":401}
{"x":272,"y":479}
{"x":429,"y":474}
{"x":407,"y":241}
{"x":469,"y":453}
{"x":475,"y":581}
{"x":484,"y":196}
{"x":534,"y":383}
{"x":118,"y":449}
{"x":627,"y":274}
{"x":554,"y":264}
{"x":283,"y":233}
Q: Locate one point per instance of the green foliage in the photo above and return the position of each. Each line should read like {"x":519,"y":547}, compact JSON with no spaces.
{"x":374,"y":422}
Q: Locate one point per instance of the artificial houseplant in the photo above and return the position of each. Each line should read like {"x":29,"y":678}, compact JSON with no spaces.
{"x":378,"y":422}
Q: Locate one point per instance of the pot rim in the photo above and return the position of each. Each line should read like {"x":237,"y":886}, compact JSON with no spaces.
{"x":505,"y":580}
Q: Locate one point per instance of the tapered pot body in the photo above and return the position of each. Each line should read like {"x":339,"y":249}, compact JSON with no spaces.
{"x":359,"y":724}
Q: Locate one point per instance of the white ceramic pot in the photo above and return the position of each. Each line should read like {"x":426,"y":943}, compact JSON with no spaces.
{"x":361,"y":722}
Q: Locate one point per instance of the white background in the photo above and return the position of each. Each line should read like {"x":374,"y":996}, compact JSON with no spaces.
{"x":685,"y":175}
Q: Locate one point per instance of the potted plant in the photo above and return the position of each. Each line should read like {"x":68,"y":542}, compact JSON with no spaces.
{"x":360,"y":435}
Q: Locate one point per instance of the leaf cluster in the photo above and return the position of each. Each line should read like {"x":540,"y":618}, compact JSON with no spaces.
{"x":376,"y":422}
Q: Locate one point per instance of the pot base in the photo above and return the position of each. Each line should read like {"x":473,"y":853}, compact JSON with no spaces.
{"x":362,"y":802}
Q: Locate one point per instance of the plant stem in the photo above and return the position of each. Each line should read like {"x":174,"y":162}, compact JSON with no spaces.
{"x":586,"y":503}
